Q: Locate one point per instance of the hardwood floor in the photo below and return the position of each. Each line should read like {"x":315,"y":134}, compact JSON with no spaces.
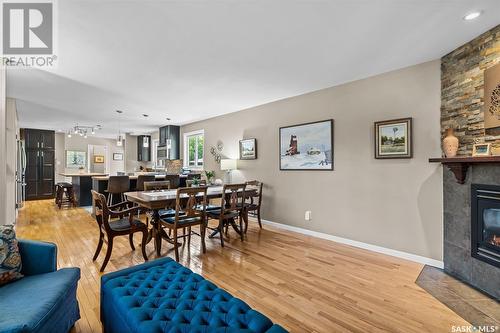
{"x":303,"y":283}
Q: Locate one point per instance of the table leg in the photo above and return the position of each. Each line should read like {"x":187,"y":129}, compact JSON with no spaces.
{"x":156,"y":231}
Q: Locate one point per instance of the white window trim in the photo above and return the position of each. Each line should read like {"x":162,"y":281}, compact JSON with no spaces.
{"x":185,"y":149}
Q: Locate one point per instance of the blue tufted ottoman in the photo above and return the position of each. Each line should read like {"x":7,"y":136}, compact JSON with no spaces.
{"x":164,"y":296}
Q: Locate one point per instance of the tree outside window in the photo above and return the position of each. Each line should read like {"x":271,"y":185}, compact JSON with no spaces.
{"x":195,"y":150}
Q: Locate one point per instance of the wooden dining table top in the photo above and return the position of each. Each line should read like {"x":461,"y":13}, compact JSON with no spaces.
{"x":162,"y":198}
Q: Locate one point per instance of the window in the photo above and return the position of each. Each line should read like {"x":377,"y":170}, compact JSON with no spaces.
{"x":194,"y":149}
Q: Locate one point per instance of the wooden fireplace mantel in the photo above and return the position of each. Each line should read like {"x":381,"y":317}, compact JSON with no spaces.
{"x":459,"y":165}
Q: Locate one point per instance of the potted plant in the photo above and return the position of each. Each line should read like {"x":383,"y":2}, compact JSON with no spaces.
{"x":81,"y":169}
{"x":196,"y":181}
{"x":210,"y":176}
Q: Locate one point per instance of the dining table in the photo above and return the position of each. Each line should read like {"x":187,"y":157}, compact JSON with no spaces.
{"x":163,"y":199}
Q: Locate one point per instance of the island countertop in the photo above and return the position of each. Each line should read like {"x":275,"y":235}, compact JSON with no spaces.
{"x":106,"y":177}
{"x":82,"y":174}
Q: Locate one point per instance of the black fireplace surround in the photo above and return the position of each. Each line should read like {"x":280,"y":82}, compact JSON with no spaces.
{"x":485,"y":223}
{"x":466,"y":249}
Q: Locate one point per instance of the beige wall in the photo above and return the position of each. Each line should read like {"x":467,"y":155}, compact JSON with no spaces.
{"x":77,"y":142}
{"x":395,"y":204}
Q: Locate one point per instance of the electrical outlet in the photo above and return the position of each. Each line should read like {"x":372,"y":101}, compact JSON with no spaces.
{"x":308,"y":215}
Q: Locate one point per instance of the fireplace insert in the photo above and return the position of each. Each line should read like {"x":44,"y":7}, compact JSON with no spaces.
{"x":485,"y":223}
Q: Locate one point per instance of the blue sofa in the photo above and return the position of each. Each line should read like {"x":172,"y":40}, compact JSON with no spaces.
{"x":44,"y":300}
{"x":164,"y":296}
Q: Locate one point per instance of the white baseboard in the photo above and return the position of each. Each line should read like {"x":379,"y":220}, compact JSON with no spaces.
{"x":366,"y":246}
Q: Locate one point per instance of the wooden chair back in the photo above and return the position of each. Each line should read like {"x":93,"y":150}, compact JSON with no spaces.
{"x":233,"y":199}
{"x":141,"y":179}
{"x":255,"y":198}
{"x":102,"y":212}
{"x":190,"y":204}
{"x":157,"y":185}
{"x":118,"y":184}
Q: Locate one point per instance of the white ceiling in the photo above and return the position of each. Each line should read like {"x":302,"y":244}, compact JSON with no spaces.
{"x":191,"y":60}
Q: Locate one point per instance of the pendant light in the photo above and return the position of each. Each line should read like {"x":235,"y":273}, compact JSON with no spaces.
{"x":119,"y":140}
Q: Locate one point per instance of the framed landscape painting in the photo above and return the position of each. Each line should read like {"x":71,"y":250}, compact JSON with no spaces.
{"x":393,"y":138}
{"x":248,"y":149}
{"x":76,"y":159}
{"x":307,"y":146}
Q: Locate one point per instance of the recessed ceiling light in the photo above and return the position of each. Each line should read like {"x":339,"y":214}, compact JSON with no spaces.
{"x":472,"y":15}
{"x":145,"y":115}
{"x":168,"y":118}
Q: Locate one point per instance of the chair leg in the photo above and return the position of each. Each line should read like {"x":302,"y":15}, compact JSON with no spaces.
{"x":143,"y":244}
{"x":176,"y":248}
{"x":189,"y":236}
{"x":221,"y":232}
{"x":157,"y":237}
{"x":59,"y":198}
{"x":99,"y":246}
{"x":258,"y":218}
{"x":241,"y":227}
{"x":202,"y":234}
{"x":108,"y":254}
{"x":131,"y":241}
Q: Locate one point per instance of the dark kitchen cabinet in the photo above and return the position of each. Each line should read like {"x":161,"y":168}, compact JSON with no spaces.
{"x":40,"y":163}
{"x":170,"y":136}
{"x":144,"y":148}
{"x":39,"y":139}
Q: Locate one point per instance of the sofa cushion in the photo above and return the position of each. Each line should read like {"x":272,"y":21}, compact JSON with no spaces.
{"x":37,"y":302}
{"x":164,"y":296}
{"x":10,"y":259}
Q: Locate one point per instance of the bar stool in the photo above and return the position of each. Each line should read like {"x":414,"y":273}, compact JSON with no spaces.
{"x":143,"y":178}
{"x":65,"y":194}
{"x":117,"y":185}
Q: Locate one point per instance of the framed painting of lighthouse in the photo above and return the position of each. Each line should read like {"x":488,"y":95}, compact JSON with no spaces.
{"x":393,"y":138}
{"x":307,"y":146}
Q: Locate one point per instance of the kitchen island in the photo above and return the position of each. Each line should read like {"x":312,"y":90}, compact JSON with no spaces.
{"x":82,"y":184}
{"x":100,"y":183}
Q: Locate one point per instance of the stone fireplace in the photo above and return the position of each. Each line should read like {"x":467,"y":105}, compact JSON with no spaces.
{"x":471,"y":217}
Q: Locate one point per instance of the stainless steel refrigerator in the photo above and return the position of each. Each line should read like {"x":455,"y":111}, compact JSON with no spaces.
{"x":20,"y":174}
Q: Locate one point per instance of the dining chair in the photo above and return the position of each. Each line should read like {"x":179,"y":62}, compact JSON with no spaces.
{"x":232,"y":207}
{"x":255,"y":200}
{"x":117,"y":185}
{"x":190,"y":211}
{"x":141,"y":179}
{"x":173,"y":179}
{"x":157,"y":185}
{"x":125,"y":224}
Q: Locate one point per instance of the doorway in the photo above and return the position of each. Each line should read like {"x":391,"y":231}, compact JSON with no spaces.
{"x":98,"y":158}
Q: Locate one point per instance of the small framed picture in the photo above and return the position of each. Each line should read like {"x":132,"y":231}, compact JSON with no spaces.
{"x":98,"y":159}
{"x":481,"y":149}
{"x":248,"y":149}
{"x":393,"y":138}
{"x":117,"y":157}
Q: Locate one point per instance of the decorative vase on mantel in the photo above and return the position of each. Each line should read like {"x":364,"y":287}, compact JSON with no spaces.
{"x":450,"y":143}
